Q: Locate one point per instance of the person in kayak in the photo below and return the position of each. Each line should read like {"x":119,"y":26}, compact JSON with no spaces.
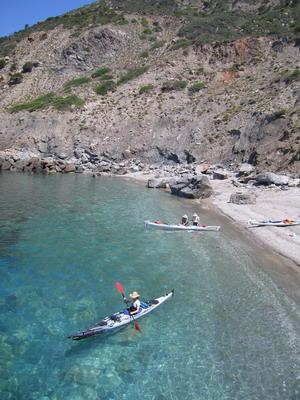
{"x":135,"y":303}
{"x":195,"y":219}
{"x":184,"y":220}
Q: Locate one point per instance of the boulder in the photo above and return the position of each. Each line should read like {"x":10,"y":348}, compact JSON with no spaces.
{"x":294,"y":182}
{"x":160,"y":183}
{"x":269,"y":178}
{"x":202,"y":168}
{"x":187,"y":192}
{"x":196,"y":187}
{"x":220,"y":174}
{"x":203,"y":188}
{"x":70,"y":168}
{"x":5,"y":165}
{"x":245,"y":169}
{"x":243,"y":198}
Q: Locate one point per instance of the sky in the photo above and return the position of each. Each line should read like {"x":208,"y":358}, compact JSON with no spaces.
{"x":15,"y":14}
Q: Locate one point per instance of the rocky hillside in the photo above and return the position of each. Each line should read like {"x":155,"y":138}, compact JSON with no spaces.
{"x":162,"y":81}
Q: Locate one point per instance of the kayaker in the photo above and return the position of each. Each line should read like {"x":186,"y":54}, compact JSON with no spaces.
{"x":195,"y":219}
{"x":135,"y":303}
{"x":185,"y":220}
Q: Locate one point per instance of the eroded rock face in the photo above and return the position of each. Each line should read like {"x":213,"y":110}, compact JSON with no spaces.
{"x":93,"y":48}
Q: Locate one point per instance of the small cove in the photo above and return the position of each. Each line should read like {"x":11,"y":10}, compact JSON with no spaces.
{"x":231,"y":331}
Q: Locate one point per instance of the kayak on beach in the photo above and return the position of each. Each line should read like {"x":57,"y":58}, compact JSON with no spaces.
{"x":284,"y":222}
{"x":121,"y":318}
{"x":177,"y":227}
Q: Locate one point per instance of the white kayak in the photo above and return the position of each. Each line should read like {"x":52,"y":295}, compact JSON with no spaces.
{"x":121,"y":318}
{"x":178,"y":227}
{"x":286,"y":222}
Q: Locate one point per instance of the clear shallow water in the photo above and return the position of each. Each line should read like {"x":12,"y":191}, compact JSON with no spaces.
{"x":229,"y":333}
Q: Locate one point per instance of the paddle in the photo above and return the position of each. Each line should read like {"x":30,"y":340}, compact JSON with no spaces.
{"x":120,"y":289}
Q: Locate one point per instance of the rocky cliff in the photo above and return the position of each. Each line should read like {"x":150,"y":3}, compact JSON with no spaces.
{"x":161,"y":81}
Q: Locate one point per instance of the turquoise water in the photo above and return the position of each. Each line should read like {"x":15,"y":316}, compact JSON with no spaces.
{"x":230,"y":332}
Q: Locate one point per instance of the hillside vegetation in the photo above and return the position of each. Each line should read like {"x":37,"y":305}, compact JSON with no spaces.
{"x":205,"y":80}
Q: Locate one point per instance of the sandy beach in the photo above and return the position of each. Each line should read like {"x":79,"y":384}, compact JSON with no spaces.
{"x":271,"y":203}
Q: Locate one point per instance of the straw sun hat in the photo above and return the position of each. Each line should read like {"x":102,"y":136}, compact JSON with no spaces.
{"x":134,"y":295}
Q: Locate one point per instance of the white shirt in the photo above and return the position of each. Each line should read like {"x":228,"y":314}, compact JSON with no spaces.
{"x":136,"y":304}
{"x":196,"y":219}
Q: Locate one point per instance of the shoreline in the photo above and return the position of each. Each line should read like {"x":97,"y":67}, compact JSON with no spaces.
{"x":271,"y":203}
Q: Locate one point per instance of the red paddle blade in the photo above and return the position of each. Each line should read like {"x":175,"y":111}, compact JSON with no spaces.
{"x":119,"y":287}
{"x":136,"y":326}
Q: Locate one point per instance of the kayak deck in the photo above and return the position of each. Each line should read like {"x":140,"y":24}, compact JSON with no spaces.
{"x":121,"y":318}
{"x":178,"y":227}
{"x":273,"y":223}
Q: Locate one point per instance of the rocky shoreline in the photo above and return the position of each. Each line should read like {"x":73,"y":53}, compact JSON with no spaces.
{"x":238,"y":192}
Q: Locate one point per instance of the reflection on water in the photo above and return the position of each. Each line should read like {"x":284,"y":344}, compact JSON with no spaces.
{"x":229,"y":332}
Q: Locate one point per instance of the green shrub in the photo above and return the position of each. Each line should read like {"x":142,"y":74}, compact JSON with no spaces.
{"x":65,"y":103}
{"x":39,"y":103}
{"x":104,"y":87}
{"x":157,"y":44}
{"x":132,"y":74}
{"x":77,"y":82}
{"x":2,"y":63}
{"x":47,"y":100}
{"x":182,"y":43}
{"x":27,"y":67}
{"x":144,"y":54}
{"x":144,"y":22}
{"x":290,"y":77}
{"x":15,"y":79}
{"x":157,"y":29}
{"x":106,"y":77}
{"x":173,"y":85}
{"x":146,"y":88}
{"x":147,"y":31}
{"x":13,"y":67}
{"x":100,"y":71}
{"x":196,"y":87}
{"x":297,"y":28}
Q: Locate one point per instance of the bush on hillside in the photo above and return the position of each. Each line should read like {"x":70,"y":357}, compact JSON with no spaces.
{"x":106,"y":77}
{"x":77,"y":82}
{"x":15,"y":79}
{"x":144,"y":54}
{"x":36,"y":104}
{"x":146,"y":88}
{"x":27,"y":67}
{"x":132,"y":74}
{"x":47,"y":100}
{"x":196,"y":87}
{"x":66,"y":103}
{"x":100,"y":71}
{"x":104,"y":87}
{"x":2,"y":63}
{"x":290,"y":77}
{"x":173,"y":85}
{"x":157,"y":44}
